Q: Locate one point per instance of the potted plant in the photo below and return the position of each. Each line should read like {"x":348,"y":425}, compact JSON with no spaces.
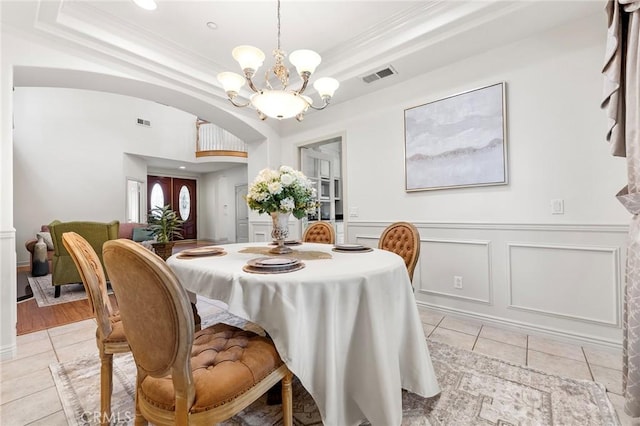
{"x":166,"y":226}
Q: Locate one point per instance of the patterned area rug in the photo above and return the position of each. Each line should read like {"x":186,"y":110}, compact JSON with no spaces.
{"x":43,"y":291}
{"x":476,"y":390}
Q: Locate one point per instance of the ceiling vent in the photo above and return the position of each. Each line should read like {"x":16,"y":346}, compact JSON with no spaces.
{"x":145,"y":123}
{"x":386,"y":72}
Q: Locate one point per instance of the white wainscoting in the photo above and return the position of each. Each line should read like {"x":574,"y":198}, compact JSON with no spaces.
{"x":583,"y":280}
{"x":563,"y":281}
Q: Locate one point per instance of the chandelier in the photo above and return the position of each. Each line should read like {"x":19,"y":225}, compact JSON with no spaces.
{"x":280,"y":102}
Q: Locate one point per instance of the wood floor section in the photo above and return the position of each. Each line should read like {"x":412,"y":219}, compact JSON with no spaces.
{"x":33,"y":318}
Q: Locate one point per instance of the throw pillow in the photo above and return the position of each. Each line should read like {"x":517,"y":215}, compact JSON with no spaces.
{"x":142,"y":234}
{"x":46,"y":237}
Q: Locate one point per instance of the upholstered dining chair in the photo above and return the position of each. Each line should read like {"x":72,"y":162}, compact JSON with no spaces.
{"x":403,"y":239}
{"x":319,"y":232}
{"x":110,"y":336}
{"x":186,"y":378}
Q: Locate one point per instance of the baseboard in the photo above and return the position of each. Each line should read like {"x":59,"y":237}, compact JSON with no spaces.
{"x":23,"y":268}
{"x":572,"y":338}
{"x":8,"y":352}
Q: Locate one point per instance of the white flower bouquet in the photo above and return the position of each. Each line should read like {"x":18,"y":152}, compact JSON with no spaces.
{"x":284,"y":190}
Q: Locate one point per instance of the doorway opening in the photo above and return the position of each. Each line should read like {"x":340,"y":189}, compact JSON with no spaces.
{"x":322,"y":163}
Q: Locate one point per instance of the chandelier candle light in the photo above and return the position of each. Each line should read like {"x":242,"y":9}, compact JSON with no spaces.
{"x":280,"y":193}
{"x":280,"y":102}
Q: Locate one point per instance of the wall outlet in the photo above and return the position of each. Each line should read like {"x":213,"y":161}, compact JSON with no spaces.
{"x":457,"y":281}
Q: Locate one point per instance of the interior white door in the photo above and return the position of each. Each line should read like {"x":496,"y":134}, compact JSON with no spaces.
{"x":242,"y":215}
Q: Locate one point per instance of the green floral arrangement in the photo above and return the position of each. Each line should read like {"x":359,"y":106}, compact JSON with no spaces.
{"x":284,"y":190}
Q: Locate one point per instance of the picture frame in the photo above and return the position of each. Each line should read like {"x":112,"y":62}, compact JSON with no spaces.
{"x":458,"y":141}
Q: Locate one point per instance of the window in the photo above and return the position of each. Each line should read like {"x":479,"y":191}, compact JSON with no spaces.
{"x":157,"y":197}
{"x":185,"y":202}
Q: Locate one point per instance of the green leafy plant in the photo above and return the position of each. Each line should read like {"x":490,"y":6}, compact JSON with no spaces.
{"x":164,"y":224}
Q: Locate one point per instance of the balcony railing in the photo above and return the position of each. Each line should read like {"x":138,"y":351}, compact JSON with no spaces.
{"x":212,"y":141}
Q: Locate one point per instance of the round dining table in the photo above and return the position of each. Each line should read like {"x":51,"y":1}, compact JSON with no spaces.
{"x":346,"y":323}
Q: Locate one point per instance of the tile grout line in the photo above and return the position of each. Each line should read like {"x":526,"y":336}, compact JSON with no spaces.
{"x":48,"y":415}
{"x":473,"y":347}
{"x":593,"y":378}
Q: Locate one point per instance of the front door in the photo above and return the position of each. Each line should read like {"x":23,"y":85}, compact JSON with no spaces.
{"x":180,"y":194}
{"x":184,"y":202}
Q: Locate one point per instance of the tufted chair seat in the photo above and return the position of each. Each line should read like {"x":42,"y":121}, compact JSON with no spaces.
{"x":319,"y":232}
{"x":403,"y":239}
{"x":225,"y":362}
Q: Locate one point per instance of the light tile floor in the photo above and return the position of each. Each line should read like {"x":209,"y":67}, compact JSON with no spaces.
{"x":28,"y":395}
{"x":603,"y":365}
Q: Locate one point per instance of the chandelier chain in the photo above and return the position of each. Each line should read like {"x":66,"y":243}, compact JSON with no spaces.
{"x":278,"y":24}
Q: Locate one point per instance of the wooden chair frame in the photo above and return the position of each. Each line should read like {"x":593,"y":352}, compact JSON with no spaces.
{"x":95,"y":285}
{"x":171,"y":353}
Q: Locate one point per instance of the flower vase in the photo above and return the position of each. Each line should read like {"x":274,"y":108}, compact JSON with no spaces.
{"x":280,"y":232}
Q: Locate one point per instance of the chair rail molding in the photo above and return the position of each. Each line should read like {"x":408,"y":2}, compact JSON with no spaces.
{"x":582,"y":227}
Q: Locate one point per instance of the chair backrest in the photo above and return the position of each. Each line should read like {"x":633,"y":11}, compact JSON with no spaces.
{"x":319,"y":232}
{"x":403,"y":239}
{"x":95,"y":284}
{"x":155,"y":312}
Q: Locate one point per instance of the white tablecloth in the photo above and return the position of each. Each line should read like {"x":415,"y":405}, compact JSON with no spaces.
{"x":347,"y":327}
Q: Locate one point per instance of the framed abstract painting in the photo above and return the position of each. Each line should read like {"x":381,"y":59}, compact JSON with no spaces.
{"x":458,"y":141}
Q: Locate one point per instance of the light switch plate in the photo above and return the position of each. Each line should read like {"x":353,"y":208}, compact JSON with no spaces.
{"x":557,"y":206}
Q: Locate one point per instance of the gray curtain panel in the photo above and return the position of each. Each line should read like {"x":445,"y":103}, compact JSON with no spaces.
{"x":622,"y":105}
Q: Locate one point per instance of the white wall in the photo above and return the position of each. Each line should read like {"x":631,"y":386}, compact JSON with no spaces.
{"x":220,"y":206}
{"x":515,"y":256}
{"x":69,"y":161}
{"x":555,"y":136}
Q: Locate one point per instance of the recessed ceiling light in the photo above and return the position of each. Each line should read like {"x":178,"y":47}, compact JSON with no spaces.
{"x":182,"y":167}
{"x":146,"y":4}
{"x":212,"y":25}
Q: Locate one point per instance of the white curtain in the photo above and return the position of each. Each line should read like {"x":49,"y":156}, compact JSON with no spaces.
{"x":622,"y":104}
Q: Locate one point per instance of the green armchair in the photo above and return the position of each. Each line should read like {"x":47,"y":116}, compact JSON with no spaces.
{"x":96,"y":233}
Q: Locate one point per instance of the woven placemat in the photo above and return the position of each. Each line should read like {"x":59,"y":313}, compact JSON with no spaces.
{"x":296,"y":254}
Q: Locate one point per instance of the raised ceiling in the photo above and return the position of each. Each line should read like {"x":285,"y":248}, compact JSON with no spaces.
{"x":174,"y":57}
{"x":355,"y":38}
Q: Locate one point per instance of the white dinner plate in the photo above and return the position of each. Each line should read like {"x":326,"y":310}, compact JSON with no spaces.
{"x":273,"y":262}
{"x":350,"y":247}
